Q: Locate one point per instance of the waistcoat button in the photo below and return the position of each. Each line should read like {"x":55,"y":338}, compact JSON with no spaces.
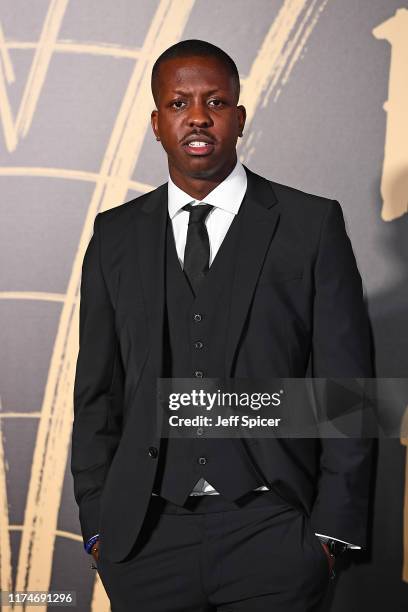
{"x":202,"y":460}
{"x":198,"y":344}
{"x":152,"y":452}
{"x":197,"y":317}
{"x":198,"y":374}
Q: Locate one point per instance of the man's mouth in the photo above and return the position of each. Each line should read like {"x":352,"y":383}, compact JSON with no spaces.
{"x":199,"y":147}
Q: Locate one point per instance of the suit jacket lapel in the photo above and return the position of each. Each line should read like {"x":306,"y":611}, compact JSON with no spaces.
{"x":257,"y":225}
{"x":151,"y":246}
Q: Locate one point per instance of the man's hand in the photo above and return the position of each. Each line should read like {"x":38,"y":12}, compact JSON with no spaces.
{"x":95,"y":550}
{"x":331,"y":559}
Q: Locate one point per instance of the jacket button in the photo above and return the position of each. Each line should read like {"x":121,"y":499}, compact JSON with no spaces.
{"x":153,"y":452}
{"x":202,"y":460}
{"x":197,"y":317}
{"x":198,"y":374}
{"x":198,"y":344}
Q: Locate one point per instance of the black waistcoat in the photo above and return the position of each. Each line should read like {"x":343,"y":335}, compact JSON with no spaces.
{"x":194,"y":346}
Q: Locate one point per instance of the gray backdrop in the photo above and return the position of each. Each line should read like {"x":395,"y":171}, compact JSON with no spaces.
{"x":75,"y":139}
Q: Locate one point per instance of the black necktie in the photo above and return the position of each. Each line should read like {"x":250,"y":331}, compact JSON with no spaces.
{"x":197,"y":251}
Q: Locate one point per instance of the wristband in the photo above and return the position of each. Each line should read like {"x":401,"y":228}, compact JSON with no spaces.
{"x":90,"y":543}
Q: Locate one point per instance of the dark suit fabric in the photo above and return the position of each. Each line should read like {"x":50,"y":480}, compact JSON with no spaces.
{"x":296,"y":300}
{"x":228,"y":466}
{"x":216,"y":555}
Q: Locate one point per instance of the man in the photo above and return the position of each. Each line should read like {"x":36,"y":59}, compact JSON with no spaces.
{"x":217,"y":273}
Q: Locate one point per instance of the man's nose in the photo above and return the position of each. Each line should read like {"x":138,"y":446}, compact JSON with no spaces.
{"x":199,"y":115}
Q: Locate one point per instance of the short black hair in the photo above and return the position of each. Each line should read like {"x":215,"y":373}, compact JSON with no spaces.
{"x":194,"y":47}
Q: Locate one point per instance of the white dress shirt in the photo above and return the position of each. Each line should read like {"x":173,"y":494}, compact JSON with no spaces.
{"x":226,"y":199}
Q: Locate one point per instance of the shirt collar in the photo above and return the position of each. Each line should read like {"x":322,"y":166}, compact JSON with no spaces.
{"x":228,"y":195}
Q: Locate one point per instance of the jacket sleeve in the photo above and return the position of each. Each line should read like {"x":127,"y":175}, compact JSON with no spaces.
{"x":97,"y":390}
{"x":341,"y":349}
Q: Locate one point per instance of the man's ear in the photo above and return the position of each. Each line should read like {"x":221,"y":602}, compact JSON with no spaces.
{"x":154,"y":123}
{"x":241,"y":117}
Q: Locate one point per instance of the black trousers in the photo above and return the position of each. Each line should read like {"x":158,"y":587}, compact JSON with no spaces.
{"x":212,"y":554}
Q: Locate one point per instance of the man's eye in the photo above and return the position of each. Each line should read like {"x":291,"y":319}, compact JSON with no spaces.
{"x":219,"y":102}
{"x":177,"y":102}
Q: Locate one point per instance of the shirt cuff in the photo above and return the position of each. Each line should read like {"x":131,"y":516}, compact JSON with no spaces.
{"x":324,"y":538}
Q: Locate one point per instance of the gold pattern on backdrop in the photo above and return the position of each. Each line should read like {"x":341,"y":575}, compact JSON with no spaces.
{"x":394,"y":180}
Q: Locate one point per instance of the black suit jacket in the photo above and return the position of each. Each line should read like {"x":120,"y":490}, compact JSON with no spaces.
{"x":297,"y":299}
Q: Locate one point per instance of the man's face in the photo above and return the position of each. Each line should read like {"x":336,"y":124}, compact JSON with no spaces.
{"x":197,"y":103}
